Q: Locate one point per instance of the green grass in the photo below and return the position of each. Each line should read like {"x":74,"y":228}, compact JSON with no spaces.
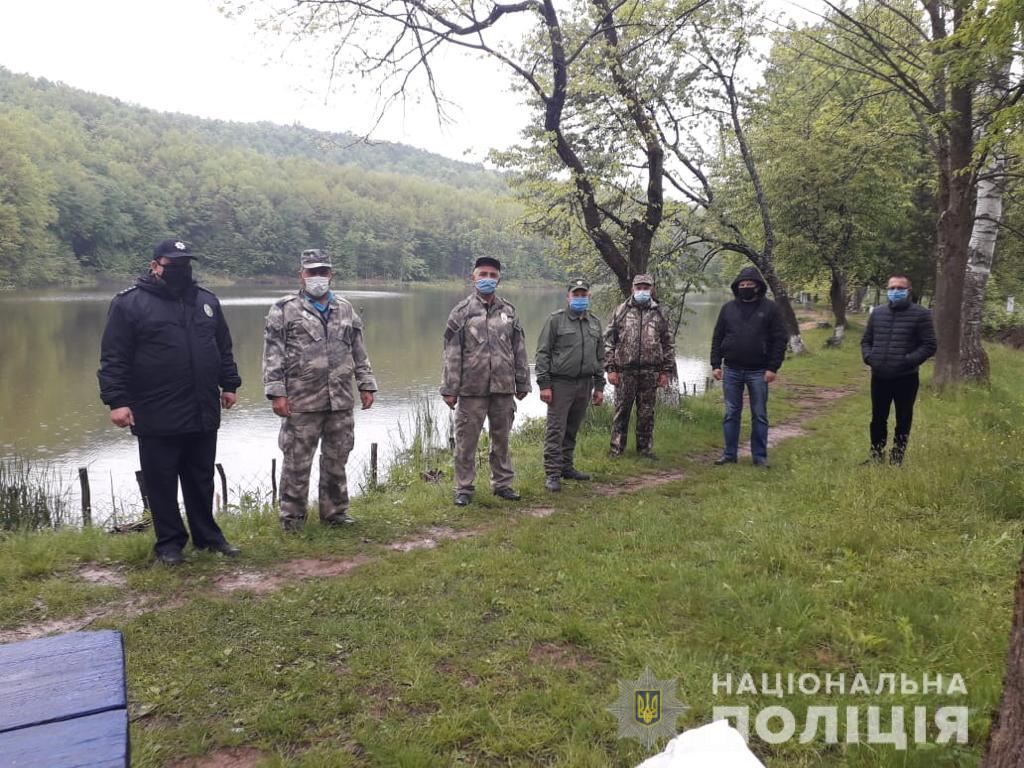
{"x":505,"y":649}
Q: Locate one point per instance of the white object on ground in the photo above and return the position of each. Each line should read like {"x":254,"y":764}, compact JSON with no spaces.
{"x":715,"y":745}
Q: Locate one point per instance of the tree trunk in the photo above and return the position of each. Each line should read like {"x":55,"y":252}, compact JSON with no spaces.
{"x":980,"y":251}
{"x":1005,"y":747}
{"x":764,"y":260}
{"x":838,"y":298}
{"x":955,"y":204}
{"x":796,"y":343}
{"x":857,"y":299}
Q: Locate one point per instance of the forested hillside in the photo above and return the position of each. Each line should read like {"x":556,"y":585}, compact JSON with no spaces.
{"x":88,"y":184}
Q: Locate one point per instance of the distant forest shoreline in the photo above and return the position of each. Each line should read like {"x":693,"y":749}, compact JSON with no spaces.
{"x":88,"y":185}
{"x":117,"y":282}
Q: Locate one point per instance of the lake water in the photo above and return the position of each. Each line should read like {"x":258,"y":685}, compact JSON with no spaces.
{"x":51,"y":412}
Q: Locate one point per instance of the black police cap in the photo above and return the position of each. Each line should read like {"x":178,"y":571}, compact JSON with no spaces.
{"x":173,"y":249}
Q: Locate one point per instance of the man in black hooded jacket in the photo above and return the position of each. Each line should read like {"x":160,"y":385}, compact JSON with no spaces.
{"x":166,"y":369}
{"x":751,"y":338}
{"x":899,"y":337}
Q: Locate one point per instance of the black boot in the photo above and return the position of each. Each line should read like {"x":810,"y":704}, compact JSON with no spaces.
{"x":899,"y":450}
{"x":574,"y":474}
{"x":877,"y":455}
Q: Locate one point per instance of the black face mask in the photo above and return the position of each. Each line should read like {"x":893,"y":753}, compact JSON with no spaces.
{"x":747,"y":294}
{"x":178,"y":276}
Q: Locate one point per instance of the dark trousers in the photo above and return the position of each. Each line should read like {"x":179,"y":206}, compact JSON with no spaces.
{"x":566,"y":411}
{"x":165,"y":459}
{"x":884,"y":392}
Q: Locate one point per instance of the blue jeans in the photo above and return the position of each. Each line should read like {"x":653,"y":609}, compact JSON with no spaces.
{"x":733,"y":381}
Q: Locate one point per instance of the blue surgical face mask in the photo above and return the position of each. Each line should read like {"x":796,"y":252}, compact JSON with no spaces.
{"x":641,"y":297}
{"x":579,"y":303}
{"x":897,"y":294}
{"x":487,"y":285}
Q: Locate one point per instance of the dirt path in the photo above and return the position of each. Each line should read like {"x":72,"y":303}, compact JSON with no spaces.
{"x":809,"y":404}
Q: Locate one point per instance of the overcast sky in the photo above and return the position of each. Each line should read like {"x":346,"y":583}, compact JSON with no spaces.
{"x":184,"y":56}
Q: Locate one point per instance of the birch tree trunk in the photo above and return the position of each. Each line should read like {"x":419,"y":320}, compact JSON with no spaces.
{"x":857,"y":299}
{"x":974,"y":364}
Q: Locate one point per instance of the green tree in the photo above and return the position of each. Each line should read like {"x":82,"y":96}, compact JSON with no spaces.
{"x":936,"y":54}
{"x":605,"y":83}
{"x":842,"y":166}
{"x":28,"y":250}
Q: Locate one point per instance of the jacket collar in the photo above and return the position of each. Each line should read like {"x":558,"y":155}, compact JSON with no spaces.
{"x":498,"y":301}
{"x":154,"y":285}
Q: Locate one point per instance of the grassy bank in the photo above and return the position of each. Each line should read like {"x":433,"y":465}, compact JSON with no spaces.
{"x":506,"y":648}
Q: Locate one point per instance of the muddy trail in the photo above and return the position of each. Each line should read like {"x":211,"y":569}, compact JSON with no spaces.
{"x":809,"y":402}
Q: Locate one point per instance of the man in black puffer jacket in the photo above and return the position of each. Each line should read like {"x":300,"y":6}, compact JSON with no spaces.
{"x":751,"y":337}
{"x":166,"y":368}
{"x":899,"y":337}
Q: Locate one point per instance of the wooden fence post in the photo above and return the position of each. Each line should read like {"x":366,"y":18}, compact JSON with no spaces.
{"x":142,"y":488}
{"x":273,"y":480}
{"x":83,"y":479}
{"x":373,"y":466}
{"x":223,"y":486}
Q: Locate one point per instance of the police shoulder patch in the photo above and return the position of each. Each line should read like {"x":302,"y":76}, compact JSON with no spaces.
{"x":285,"y":299}
{"x":127,"y":290}
{"x":558,"y":312}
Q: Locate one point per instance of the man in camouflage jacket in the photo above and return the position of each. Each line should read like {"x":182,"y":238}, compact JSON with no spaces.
{"x":639,"y":357}
{"x":313,"y":348}
{"x":485,"y":371}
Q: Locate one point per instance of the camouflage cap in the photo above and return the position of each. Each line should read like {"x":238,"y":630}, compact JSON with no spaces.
{"x":643,"y":279}
{"x":578,"y":283}
{"x":487,"y":261}
{"x":314,"y":257}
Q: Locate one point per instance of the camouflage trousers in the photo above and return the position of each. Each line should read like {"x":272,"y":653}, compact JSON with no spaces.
{"x":500,"y":411}
{"x":641,"y":388}
{"x":300,"y":434}
{"x":566,"y":411}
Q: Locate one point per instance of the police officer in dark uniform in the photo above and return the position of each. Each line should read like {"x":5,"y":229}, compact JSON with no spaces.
{"x":166,"y":369}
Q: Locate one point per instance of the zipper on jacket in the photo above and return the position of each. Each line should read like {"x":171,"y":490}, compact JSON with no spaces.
{"x":583,"y":344}
{"x":191,"y":357}
{"x":640,"y":342}
{"x":888,"y":336}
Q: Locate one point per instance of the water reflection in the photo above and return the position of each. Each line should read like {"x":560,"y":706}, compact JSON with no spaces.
{"x":49,"y":352}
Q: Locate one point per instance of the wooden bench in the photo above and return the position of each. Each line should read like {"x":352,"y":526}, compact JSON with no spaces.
{"x":64,"y":703}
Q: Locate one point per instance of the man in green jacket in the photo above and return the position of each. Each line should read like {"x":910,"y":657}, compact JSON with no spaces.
{"x":570,"y":375}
